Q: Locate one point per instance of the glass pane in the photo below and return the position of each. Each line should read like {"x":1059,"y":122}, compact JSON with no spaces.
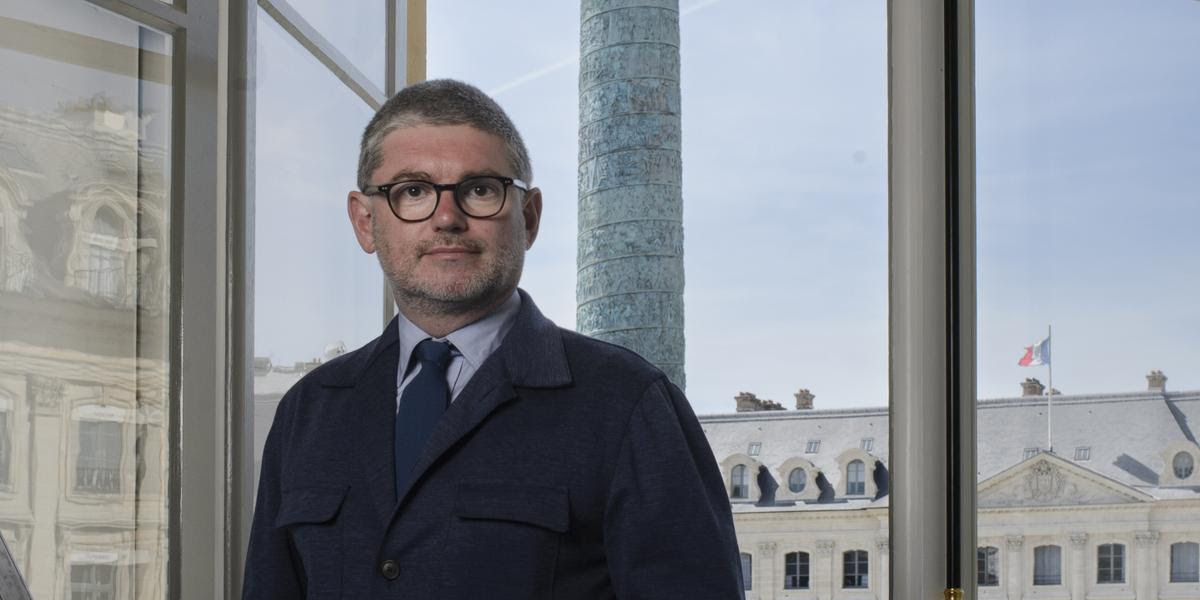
{"x":316,"y":294}
{"x":357,"y":29}
{"x":85,"y":221}
{"x":1087,"y":275}
{"x":784,"y":148}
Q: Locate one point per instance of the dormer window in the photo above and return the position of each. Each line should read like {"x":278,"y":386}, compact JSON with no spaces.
{"x":104,"y":274}
{"x":1031,"y":452}
{"x":797,"y":480}
{"x":739,"y":483}
{"x":1083,"y":453}
{"x":1183,"y":464}
{"x":813,"y":447}
{"x":856,"y":478}
{"x":868,"y":444}
{"x":755,"y":448}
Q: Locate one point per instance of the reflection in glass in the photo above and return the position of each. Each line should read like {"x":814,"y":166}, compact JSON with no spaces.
{"x":84,"y":289}
{"x":316,"y":294}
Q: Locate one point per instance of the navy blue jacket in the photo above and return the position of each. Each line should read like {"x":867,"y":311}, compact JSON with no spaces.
{"x":566,"y":468}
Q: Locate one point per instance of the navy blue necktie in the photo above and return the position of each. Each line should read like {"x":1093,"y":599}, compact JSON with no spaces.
{"x":421,"y":405}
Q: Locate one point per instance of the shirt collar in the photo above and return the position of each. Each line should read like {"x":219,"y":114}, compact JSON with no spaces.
{"x":474,"y":342}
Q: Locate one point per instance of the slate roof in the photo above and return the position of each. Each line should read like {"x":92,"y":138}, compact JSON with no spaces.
{"x":1127,"y":436}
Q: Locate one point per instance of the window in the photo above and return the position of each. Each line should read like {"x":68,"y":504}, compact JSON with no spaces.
{"x":1047,"y":565}
{"x":797,"y":480}
{"x":856,"y":478}
{"x":93,"y":582}
{"x":739,"y":484}
{"x":105,"y":273}
{"x":1031,"y":452}
{"x":1183,"y":465}
{"x":1110,"y":563}
{"x":755,"y":448}
{"x":1083,"y":453}
{"x":1185,"y":562}
{"x":868,"y":444}
{"x":813,"y":447}
{"x":747,"y":570}
{"x":5,"y":448}
{"x":795,"y":571}
{"x":854,"y":569}
{"x":987,"y":561}
{"x":98,"y":465}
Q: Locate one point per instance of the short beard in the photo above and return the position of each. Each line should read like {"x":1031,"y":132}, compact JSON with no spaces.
{"x":477,"y":293}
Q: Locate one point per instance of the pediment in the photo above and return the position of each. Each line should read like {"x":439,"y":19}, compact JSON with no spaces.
{"x":1047,"y":480}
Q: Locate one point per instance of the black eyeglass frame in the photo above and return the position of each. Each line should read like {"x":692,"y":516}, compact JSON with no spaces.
{"x":453,"y":188}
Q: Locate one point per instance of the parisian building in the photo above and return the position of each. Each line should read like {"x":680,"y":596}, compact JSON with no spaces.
{"x":1100,"y":500}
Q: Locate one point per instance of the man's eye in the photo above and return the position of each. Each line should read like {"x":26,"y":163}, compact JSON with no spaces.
{"x":481,"y":190}
{"x":414,"y":191}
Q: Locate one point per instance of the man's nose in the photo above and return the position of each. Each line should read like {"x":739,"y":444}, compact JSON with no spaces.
{"x":447,"y":216}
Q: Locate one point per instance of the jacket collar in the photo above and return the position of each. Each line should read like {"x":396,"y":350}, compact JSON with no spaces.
{"x":531,"y":356}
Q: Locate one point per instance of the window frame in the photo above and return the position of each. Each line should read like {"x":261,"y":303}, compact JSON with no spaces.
{"x":1114,"y":572}
{"x":856,"y":564}
{"x":1177,"y":572}
{"x":1045,"y":561}
{"x":856,"y":478}
{"x":982,"y":556}
{"x":802,"y":578}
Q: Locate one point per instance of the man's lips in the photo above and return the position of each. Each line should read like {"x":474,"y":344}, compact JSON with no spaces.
{"x":449,"y":251}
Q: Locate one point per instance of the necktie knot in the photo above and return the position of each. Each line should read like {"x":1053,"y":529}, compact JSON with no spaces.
{"x":437,"y":353}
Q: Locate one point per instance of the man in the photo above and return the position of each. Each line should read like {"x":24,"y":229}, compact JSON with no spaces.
{"x":474,"y":449}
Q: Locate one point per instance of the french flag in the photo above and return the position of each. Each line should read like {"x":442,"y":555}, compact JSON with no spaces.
{"x":1036,"y":355}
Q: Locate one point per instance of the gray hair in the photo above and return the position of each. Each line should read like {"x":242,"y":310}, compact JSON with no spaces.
{"x":441,"y":102}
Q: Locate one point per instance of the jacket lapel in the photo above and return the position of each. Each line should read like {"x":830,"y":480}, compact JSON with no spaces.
{"x":373,"y":404}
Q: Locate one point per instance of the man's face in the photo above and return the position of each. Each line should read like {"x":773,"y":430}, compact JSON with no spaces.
{"x":450,"y":263}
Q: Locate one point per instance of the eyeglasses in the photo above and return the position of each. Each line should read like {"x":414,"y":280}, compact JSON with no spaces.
{"x":414,"y":201}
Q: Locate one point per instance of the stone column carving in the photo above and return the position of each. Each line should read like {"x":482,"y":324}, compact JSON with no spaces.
{"x":880,"y":584}
{"x":1146,"y":567}
{"x":630,"y":260}
{"x":46,"y":394}
{"x":766,"y":571}
{"x":1013,"y":566}
{"x":823,"y":570}
{"x":1078,"y":580}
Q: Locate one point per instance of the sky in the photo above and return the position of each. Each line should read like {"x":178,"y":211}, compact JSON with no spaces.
{"x":1088,"y":187}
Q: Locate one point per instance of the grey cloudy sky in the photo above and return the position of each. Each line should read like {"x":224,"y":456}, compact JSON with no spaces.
{"x":1088,"y":175}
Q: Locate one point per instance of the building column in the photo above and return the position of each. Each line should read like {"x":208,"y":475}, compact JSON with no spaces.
{"x":1078,"y":581}
{"x":822,"y":583}
{"x":1013,"y":562}
{"x":767,"y":582}
{"x":1146,"y":578}
{"x":879,"y":581}
{"x":46,"y":568}
{"x":630,"y":261}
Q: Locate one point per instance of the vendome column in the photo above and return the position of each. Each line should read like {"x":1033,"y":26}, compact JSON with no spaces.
{"x":630,"y":277}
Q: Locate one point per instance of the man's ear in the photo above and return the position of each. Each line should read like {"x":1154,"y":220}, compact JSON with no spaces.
{"x":532,"y":211}
{"x":358,"y":207}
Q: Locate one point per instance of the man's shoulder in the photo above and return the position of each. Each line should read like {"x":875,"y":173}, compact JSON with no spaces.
{"x":594,"y":358}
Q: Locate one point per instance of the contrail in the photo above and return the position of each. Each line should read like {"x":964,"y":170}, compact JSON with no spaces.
{"x":574,"y":58}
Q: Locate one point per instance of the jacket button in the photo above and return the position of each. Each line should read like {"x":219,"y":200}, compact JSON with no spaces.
{"x":389,"y":569}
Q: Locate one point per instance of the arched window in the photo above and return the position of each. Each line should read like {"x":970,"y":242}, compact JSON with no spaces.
{"x":105,"y":272}
{"x":987,"y":561}
{"x":1185,"y":562}
{"x":1110,"y":563}
{"x":797,"y":480}
{"x":795,"y":571}
{"x":747,"y":569}
{"x":1183,"y":465}
{"x":856,"y":478}
{"x":854,"y":569}
{"x":739,"y":483}
{"x":1047,"y":565}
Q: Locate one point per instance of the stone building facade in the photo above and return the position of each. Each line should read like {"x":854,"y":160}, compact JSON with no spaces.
{"x":1112,"y":511}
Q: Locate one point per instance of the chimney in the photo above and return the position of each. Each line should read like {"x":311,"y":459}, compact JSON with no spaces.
{"x":1157,"y":381}
{"x":804,"y":400}
{"x":1032,"y":387}
{"x":747,"y":402}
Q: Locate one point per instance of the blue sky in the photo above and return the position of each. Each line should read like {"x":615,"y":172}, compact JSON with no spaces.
{"x":1088,"y":175}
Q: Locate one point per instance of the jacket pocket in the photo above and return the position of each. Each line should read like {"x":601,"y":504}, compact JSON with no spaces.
{"x":311,"y":517}
{"x":506,"y":535}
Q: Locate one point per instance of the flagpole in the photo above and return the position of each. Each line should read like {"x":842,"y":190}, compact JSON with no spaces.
{"x":1050,"y":391}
